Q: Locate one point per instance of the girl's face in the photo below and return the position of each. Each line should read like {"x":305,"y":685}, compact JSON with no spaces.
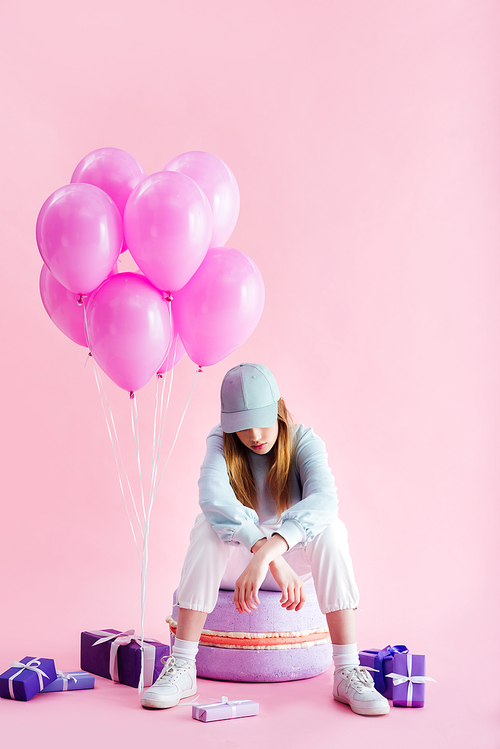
{"x":259,"y":441}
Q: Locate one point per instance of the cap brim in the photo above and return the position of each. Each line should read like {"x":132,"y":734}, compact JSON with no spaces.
{"x":256,"y":418}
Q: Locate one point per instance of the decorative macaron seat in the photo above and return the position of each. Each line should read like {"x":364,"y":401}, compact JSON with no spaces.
{"x":269,"y":644}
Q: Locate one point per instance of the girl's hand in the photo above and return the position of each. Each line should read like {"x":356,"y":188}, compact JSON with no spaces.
{"x":246,"y":589}
{"x":290,"y":583}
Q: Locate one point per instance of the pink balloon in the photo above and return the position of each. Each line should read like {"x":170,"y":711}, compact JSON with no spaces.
{"x":129,"y":329}
{"x":168,"y":225}
{"x":219,"y":185}
{"x":113,"y":170}
{"x":62,"y":307}
{"x":79,"y":235}
{"x":220,"y":306}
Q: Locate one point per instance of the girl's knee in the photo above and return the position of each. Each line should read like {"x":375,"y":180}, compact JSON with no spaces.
{"x":334,"y":534}
{"x":203,"y":533}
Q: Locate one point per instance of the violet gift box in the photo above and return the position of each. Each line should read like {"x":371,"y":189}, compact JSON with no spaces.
{"x":117,"y":655}
{"x":225,"y":710}
{"x":408,"y":676}
{"x":67,"y":681}
{"x":26,"y":678}
{"x":381,"y":661}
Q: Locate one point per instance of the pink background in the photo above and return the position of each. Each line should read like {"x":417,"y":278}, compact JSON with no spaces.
{"x":364,"y":138}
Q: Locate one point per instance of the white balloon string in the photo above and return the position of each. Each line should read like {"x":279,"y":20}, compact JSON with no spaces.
{"x":158,"y":433}
{"x":87,"y":336}
{"x":175,"y":438}
{"x":162,"y":394}
{"x":169,"y":392}
{"x":144,"y":571}
{"x":172,"y":371}
{"x":101,"y":390}
{"x":85,"y":322}
{"x":154,"y":470}
{"x":163,"y":417}
{"x":135,"y":433}
{"x":96,"y":369}
{"x":162,"y":420}
{"x":116,"y":461}
{"x":153,"y":452}
{"x":157,"y":481}
{"x":154,"y":460}
{"x":157,"y":444}
{"x":170,"y":327}
{"x":157,"y":440}
{"x":144,"y":574}
{"x":145,"y":541}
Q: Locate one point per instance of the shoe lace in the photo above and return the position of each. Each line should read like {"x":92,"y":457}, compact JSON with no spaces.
{"x":171,"y":669}
{"x":361,"y":677}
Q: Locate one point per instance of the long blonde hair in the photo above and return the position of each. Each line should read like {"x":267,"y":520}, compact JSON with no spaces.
{"x":277,"y":481}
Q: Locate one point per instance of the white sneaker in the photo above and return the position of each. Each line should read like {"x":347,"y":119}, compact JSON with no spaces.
{"x":176,"y":681}
{"x":354,"y":687}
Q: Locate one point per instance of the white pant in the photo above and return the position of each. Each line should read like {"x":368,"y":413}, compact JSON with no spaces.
{"x":211,"y":564}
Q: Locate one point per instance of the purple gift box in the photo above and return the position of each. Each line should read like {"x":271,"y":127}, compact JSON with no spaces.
{"x":26,"y":678}
{"x":225,"y":710}
{"x":408,"y":677}
{"x":117,"y":655}
{"x":67,"y":681}
{"x":381,"y":661}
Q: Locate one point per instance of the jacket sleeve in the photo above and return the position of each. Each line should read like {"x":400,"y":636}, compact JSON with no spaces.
{"x":319,"y":504}
{"x":233,"y":522}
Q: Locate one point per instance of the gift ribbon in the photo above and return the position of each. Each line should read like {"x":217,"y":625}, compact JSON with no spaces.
{"x":232,"y":705}
{"x":222,"y":701}
{"x":65,"y":677}
{"x":402,"y":678}
{"x":380,"y":657}
{"x":125,"y":638}
{"x":30,"y":667}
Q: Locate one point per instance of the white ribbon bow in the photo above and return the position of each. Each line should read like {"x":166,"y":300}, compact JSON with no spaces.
{"x":32,"y":665}
{"x":232,"y":705}
{"x":125,"y":638}
{"x":222,"y":701}
{"x":401,"y":679}
{"x":65,"y":677}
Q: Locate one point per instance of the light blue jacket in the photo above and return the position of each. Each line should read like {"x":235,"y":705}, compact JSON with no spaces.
{"x":313,"y":494}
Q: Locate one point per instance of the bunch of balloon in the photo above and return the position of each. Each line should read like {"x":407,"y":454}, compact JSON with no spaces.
{"x":190,"y":294}
{"x":169,"y":221}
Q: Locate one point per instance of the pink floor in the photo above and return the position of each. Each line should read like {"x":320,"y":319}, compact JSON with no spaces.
{"x":292,"y":714}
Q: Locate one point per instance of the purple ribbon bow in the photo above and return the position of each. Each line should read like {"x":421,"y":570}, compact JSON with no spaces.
{"x":380,"y":657}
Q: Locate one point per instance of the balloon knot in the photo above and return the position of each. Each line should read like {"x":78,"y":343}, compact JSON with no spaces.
{"x":79,"y":301}
{"x":199,"y":369}
{"x":90,"y":353}
{"x":167,"y":296}
{"x":159,"y":375}
{"x":132,"y":395}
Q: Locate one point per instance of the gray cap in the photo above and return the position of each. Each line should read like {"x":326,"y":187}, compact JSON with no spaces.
{"x":249,"y":398}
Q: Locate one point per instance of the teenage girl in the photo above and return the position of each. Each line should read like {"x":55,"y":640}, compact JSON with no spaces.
{"x":269,"y":520}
